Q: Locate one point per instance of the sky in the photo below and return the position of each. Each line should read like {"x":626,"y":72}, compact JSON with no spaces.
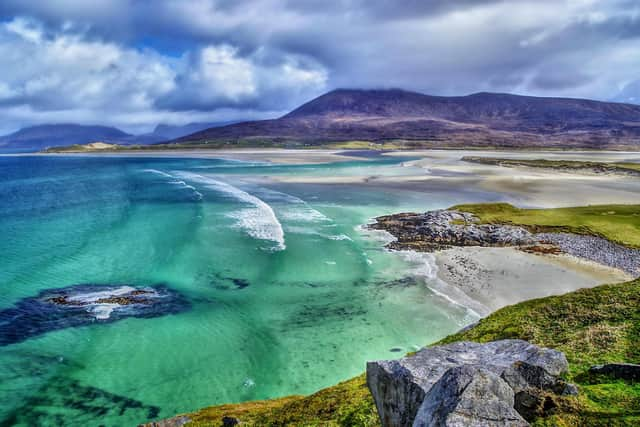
{"x":137,"y":63}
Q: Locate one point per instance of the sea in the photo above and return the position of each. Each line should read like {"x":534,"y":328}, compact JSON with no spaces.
{"x":282,"y":288}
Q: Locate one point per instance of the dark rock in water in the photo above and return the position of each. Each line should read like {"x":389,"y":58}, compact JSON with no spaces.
{"x":240,"y":283}
{"x":395,"y":350}
{"x":81,"y":305}
{"x":405,"y":388}
{"x":622,"y":371}
{"x":469,"y":396}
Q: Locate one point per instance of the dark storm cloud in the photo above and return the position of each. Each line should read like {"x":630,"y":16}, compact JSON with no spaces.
{"x":137,"y":62}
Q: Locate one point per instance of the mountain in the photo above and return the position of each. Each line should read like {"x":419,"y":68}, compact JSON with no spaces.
{"x":36,"y":138}
{"x":415,"y":119}
{"x":167,"y":132}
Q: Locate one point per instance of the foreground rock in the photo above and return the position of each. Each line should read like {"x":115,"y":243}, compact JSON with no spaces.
{"x":81,"y":305}
{"x":495,"y":384}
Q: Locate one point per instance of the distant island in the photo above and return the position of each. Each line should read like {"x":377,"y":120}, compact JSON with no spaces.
{"x":398,"y":119}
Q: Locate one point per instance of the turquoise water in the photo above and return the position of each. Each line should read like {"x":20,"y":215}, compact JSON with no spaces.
{"x":288,"y":294}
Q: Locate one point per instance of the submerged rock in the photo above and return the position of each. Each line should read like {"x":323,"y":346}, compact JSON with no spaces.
{"x":81,"y":305}
{"x":465,"y":383}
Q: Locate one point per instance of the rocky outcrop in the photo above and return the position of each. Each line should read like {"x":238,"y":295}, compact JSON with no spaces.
{"x":465,"y":383}
{"x":442,"y":229}
{"x":621,"y":371}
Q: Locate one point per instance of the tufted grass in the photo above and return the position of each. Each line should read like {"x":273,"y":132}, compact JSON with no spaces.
{"x":618,"y":223}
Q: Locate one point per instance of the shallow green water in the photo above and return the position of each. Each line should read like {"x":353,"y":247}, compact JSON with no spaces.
{"x":288,"y":294}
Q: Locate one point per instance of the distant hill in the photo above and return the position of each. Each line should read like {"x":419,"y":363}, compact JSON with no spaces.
{"x":415,"y":119}
{"x":166,"y":132}
{"x":40,"y":137}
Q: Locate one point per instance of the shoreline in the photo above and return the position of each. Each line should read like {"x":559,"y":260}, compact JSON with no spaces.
{"x":497,"y":265}
{"x":482,"y":274}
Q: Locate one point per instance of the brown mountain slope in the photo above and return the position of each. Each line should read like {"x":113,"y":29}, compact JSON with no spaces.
{"x":482,"y":119}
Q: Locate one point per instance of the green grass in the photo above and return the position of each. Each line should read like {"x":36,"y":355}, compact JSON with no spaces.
{"x":609,"y":167}
{"x":591,"y":326}
{"x":346,"y":404}
{"x":618,"y":223}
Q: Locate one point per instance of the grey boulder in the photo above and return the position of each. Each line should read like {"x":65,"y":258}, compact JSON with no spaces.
{"x":469,"y":396}
{"x":417,"y":385}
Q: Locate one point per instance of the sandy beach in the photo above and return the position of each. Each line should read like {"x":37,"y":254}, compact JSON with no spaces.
{"x":497,"y":277}
{"x":275,"y":155}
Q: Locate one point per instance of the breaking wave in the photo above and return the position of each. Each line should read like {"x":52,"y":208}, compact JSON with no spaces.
{"x":175,"y":181}
{"x":296,"y":210}
{"x":259,"y":221}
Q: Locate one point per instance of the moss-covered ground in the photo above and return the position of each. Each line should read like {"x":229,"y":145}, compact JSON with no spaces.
{"x":618,"y":223}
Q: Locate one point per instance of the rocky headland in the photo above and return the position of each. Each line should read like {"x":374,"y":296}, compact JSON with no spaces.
{"x":443,"y":229}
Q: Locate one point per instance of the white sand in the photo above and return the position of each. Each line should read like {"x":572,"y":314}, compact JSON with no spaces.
{"x":496,"y":277}
{"x":271,"y":155}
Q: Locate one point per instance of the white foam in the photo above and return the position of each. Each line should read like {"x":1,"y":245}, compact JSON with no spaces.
{"x":91,"y":297}
{"x":340,"y":237}
{"x":378,"y":236}
{"x":175,"y":181}
{"x":296,"y":209}
{"x":425,"y":267}
{"x":102,"y":311}
{"x":258,"y":221}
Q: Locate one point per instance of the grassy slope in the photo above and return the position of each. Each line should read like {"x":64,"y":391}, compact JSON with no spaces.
{"x":591,"y":326}
{"x":619,"y":223}
{"x":611,"y":167}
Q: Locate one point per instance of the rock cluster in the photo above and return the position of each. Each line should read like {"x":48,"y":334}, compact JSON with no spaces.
{"x":442,"y":229}
{"x":501,"y":383}
{"x":596,"y":249}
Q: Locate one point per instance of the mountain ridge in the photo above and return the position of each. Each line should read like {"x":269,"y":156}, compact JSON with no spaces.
{"x":39,"y":137}
{"x":479,"y":119}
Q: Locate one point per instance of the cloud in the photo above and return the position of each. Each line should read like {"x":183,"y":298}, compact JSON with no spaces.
{"x":171,"y":58}
{"x":218,"y":76}
{"x":63,"y":74}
